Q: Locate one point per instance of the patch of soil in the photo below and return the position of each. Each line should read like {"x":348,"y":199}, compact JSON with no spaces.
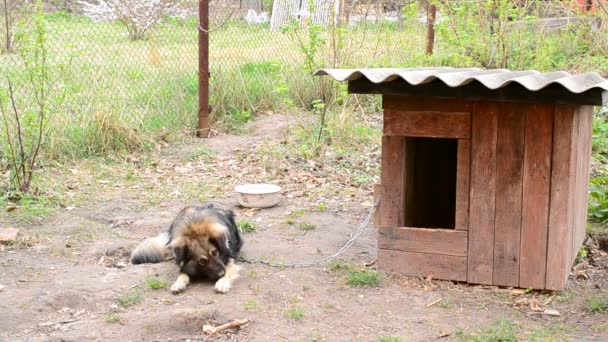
{"x":76,"y":283}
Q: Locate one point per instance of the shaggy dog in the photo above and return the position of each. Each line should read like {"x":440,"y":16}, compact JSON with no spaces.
{"x":205,"y":242}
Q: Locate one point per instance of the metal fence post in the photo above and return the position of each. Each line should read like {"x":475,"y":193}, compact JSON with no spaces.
{"x":203,"y":70}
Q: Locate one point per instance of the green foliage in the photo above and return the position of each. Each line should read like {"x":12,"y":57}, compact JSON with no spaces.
{"x":251,"y":305}
{"x":389,"y":339}
{"x":156,"y":283}
{"x":363,"y":277}
{"x":600,"y":136}
{"x":306,"y":226}
{"x":24,"y":126}
{"x":112,"y":318}
{"x":247,"y":226}
{"x":598,"y":200}
{"x":500,"y":331}
{"x":295,"y":313}
{"x":597,"y":304}
{"x":583,"y":252}
{"x":130,"y":299}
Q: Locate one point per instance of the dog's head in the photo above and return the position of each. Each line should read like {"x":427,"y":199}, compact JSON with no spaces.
{"x":199,"y":257}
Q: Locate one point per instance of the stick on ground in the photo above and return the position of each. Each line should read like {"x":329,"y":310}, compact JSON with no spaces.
{"x":210,"y":329}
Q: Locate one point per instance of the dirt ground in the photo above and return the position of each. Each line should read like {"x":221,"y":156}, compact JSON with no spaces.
{"x":68,"y":278}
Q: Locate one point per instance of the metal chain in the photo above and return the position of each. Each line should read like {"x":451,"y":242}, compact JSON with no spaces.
{"x":348,"y":243}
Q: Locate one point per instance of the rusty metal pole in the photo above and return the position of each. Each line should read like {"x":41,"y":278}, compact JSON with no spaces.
{"x":203,"y":70}
{"x":430,"y":35}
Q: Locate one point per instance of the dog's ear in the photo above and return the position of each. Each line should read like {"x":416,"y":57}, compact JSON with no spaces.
{"x":221,"y":244}
{"x":180,"y":251}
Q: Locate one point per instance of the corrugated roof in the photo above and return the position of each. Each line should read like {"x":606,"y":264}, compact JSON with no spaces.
{"x":491,"y":79}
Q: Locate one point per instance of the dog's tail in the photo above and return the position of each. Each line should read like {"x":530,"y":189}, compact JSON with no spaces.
{"x":152,"y":251}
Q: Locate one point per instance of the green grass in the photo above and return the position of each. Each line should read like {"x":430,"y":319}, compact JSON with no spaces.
{"x":549,"y":333}
{"x":597,"y":303}
{"x":156,"y":283}
{"x":130,"y":299}
{"x":112,"y":318}
{"x":364,"y":277}
{"x":247,"y":226}
{"x":306,"y":226}
{"x":389,"y":339}
{"x":356,"y":275}
{"x":503,"y":330}
{"x":295,"y":313}
{"x":251,"y":305}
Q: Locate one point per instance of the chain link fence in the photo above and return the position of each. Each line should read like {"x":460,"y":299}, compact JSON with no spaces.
{"x":128,"y":68}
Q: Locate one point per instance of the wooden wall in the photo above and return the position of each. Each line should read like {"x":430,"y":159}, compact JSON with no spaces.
{"x":521,"y":199}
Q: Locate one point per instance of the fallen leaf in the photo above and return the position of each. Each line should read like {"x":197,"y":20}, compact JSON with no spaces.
{"x":534,"y":305}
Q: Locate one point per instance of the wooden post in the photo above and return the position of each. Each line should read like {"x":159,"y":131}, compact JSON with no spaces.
{"x":430,"y":36}
{"x":203,"y":70}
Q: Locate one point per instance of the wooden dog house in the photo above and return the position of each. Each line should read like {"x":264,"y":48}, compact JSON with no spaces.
{"x":484,"y":172}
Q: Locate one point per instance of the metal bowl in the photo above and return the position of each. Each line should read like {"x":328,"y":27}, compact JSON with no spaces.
{"x":258,"y":195}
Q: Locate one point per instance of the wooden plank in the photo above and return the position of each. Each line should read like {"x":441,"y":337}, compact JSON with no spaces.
{"x":476,"y":91}
{"x":483,"y":193}
{"x":463,"y":173}
{"x":509,"y":176}
{"x":535,"y":197}
{"x":432,"y":124}
{"x":392,"y":180}
{"x":447,"y":267}
{"x":561,"y":195}
{"x":422,"y":240}
{"x":586,"y":115}
{"x":425,"y":103}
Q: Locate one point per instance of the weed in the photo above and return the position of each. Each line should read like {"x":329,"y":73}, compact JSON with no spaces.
{"x":298,"y":213}
{"x":290,"y":222}
{"x":130,"y":299}
{"x":364,"y":277}
{"x":295,"y":313}
{"x":389,"y":339}
{"x":597,"y":304}
{"x":598,"y":199}
{"x":247,"y":226}
{"x":444,"y":304}
{"x":112,"y":318}
{"x":306,"y":226}
{"x":203,"y":153}
{"x":583,"y":253}
{"x":251,"y":305}
{"x":500,"y":331}
{"x":565,"y":296}
{"x":548,"y":333}
{"x":156,"y":283}
{"x":321,"y":207}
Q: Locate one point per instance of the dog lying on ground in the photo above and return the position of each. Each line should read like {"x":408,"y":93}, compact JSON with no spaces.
{"x":205,"y":242}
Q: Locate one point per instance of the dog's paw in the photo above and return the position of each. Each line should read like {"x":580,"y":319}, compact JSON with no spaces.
{"x":178,"y":287}
{"x":222,"y":285}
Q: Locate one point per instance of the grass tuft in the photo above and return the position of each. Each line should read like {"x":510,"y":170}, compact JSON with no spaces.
{"x":306,"y":226}
{"x":389,"y":339}
{"x":247,"y":226}
{"x":130,"y":299}
{"x":364,"y":277}
{"x":251,"y":305}
{"x":156,"y":283}
{"x":503,"y":330}
{"x":597,"y":304}
{"x":295,"y":313}
{"x":112,"y":318}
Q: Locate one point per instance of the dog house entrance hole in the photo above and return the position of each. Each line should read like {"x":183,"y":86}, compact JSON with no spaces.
{"x":430,"y":182}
